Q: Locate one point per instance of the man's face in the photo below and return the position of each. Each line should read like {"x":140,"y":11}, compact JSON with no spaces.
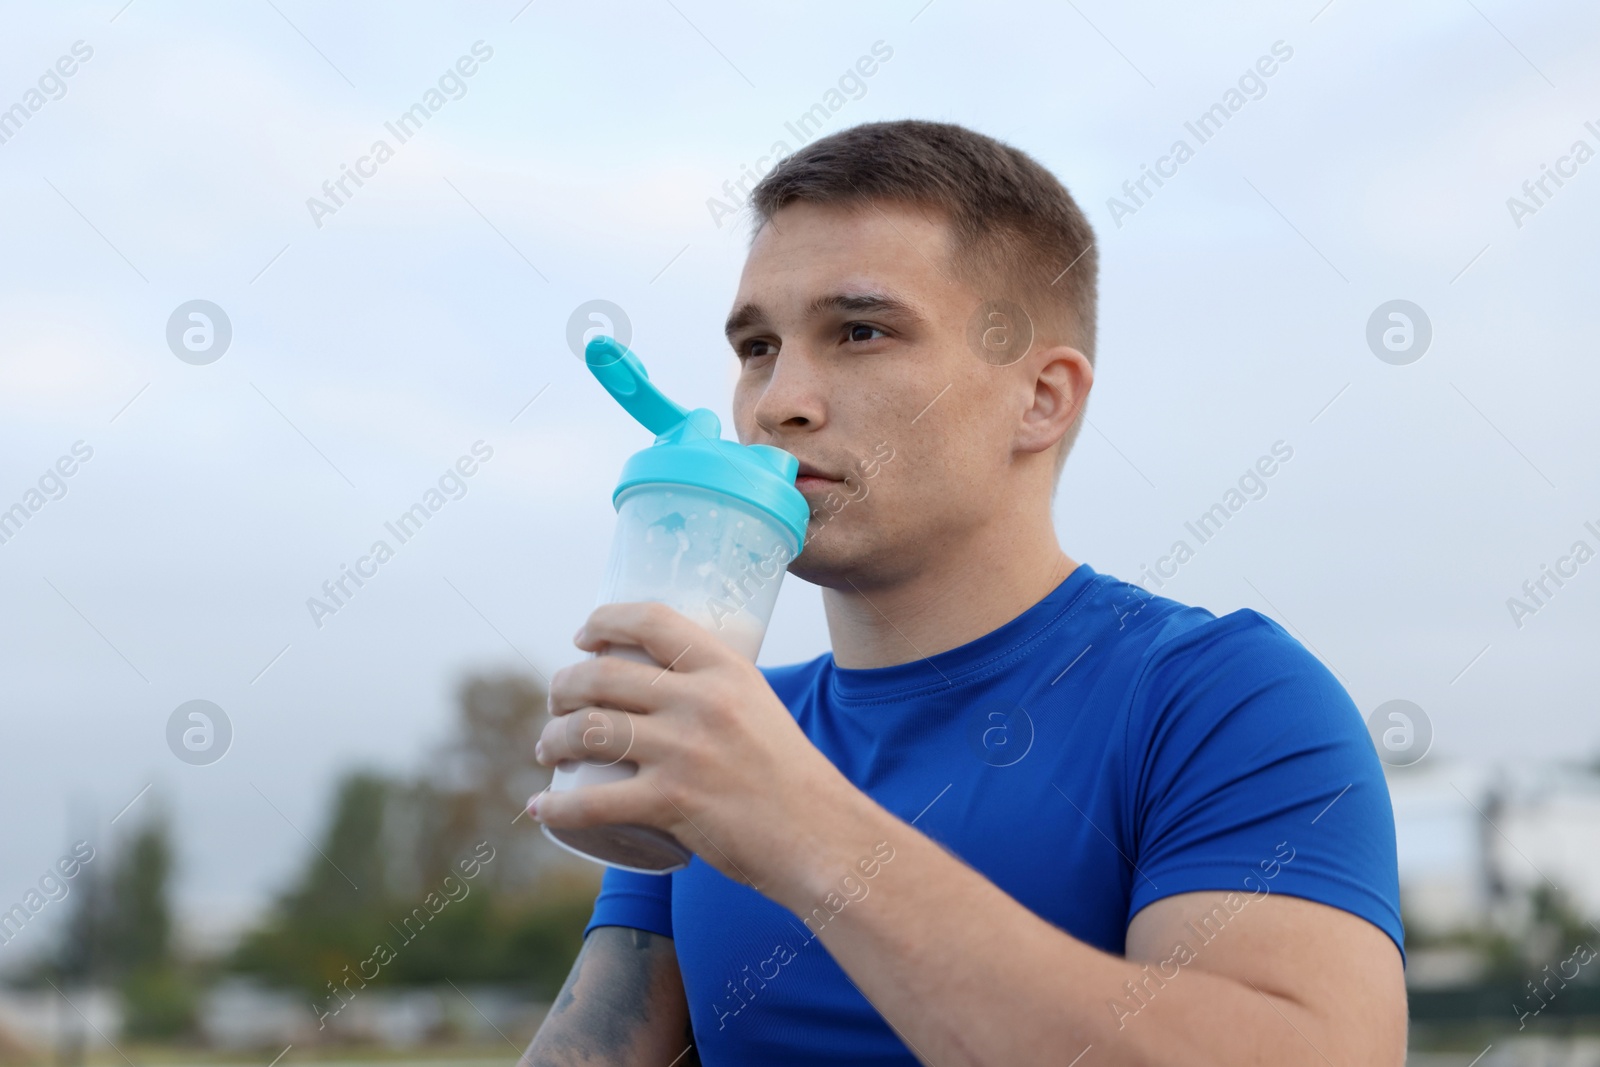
{"x":851,"y":334}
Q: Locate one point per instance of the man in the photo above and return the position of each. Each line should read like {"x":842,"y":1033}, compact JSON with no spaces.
{"x":1024,"y":812}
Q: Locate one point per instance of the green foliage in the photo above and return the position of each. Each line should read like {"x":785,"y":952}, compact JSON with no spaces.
{"x":438,"y":870}
{"x":139,"y":930}
{"x":158,"y":1002}
{"x":1514,"y":953}
{"x":119,"y":929}
{"x":542,"y":942}
{"x":479,"y":936}
{"x":329,"y":920}
{"x":412,"y":916}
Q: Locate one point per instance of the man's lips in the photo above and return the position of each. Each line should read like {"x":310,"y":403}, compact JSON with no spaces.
{"x":809,"y":477}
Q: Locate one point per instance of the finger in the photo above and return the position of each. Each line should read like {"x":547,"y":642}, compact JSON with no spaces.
{"x":601,"y":736}
{"x":631,"y":801}
{"x":613,"y":682}
{"x":669,"y":637}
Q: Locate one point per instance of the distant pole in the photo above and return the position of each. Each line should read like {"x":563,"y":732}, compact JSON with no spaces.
{"x":1494,"y":881}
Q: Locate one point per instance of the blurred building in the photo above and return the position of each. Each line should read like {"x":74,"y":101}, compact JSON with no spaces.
{"x":1475,"y":839}
{"x":242,"y":1016}
{"x":33,"y":1021}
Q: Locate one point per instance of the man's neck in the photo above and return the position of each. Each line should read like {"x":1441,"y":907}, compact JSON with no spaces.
{"x":942,"y":607}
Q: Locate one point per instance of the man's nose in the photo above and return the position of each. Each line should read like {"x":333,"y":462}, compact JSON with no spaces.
{"x":793,"y":396}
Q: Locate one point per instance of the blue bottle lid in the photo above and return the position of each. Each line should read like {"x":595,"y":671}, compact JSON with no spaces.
{"x":689,"y":448}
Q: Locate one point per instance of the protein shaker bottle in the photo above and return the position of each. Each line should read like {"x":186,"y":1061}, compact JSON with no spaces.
{"x":707,"y":527}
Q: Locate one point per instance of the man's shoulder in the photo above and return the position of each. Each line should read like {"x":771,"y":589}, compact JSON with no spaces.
{"x":791,"y":678}
{"x":1131,"y":625}
{"x":1163,"y":631}
{"x":1156,"y":644}
{"x":1236,"y":685}
{"x":1243,"y":645}
{"x":1184,"y":661}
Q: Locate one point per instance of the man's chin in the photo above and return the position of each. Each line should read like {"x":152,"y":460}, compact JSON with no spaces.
{"x":810,"y":570}
{"x":826,"y":560}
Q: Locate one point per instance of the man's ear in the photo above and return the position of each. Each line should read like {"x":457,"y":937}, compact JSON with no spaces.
{"x":1062,"y":378}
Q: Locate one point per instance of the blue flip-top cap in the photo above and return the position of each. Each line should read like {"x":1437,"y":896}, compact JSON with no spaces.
{"x":689,"y":448}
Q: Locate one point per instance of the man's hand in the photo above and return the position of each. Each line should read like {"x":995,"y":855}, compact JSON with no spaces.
{"x":723,"y":766}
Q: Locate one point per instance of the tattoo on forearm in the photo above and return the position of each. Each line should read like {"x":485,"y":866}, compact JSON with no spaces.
{"x":605,"y":1006}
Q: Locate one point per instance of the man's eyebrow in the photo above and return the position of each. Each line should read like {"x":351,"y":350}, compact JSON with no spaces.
{"x":750,"y":314}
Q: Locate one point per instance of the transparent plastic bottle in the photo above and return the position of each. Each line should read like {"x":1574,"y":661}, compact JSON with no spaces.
{"x":705,"y":526}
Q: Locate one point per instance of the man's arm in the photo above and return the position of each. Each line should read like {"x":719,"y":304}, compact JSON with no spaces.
{"x":1323,"y":971}
{"x":622,"y":1004}
{"x":966,"y":975}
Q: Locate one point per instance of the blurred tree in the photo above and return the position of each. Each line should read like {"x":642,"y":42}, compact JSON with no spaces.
{"x":79,"y":957}
{"x":543,"y":938}
{"x":119,"y":930}
{"x":486,"y":774}
{"x":81,"y":953}
{"x":1551,"y":926}
{"x":158,"y":999}
{"x":335,"y":913}
{"x":519,"y":919}
{"x":138,"y":932}
{"x":1556,"y":927}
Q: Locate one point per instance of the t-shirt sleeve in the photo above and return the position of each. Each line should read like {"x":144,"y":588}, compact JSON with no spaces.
{"x":627,"y":898}
{"x":1252,"y":771}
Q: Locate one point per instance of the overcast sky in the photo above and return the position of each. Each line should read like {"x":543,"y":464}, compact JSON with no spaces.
{"x":375,"y":343}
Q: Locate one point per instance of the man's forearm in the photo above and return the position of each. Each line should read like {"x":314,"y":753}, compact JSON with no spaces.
{"x":966,"y":975}
{"x":622,"y":1004}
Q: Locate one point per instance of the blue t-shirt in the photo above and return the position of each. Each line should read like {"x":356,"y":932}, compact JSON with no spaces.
{"x":1103,"y":750}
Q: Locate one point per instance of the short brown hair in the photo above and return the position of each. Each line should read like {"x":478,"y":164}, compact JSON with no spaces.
{"x":1018,"y":234}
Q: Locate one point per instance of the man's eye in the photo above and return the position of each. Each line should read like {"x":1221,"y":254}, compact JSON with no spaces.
{"x":752,"y":349}
{"x":852,"y":330}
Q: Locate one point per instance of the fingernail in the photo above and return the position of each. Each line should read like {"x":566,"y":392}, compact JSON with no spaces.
{"x":533,"y":806}
{"x":578,"y":636}
{"x":538,"y":751}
